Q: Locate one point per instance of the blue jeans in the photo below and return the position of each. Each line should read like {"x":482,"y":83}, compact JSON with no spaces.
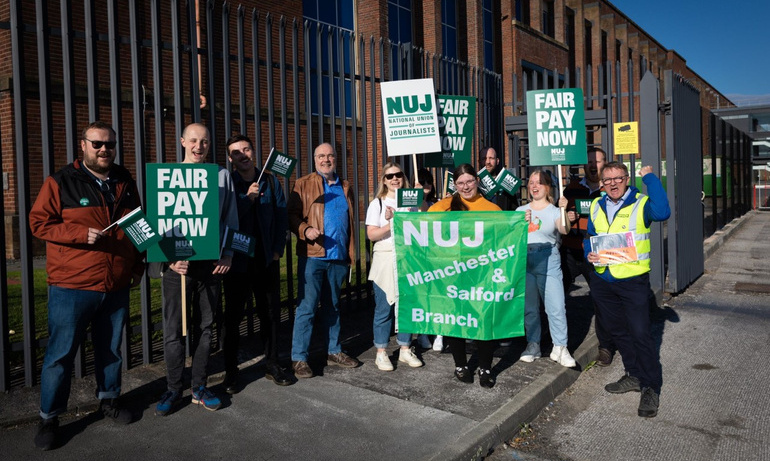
{"x":544,"y":282}
{"x":69,"y":314}
{"x":383,"y":321}
{"x":317,"y":280}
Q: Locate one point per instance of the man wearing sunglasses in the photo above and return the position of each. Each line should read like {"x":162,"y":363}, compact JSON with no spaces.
{"x":621,"y":290}
{"x":321,"y":216}
{"x":89,"y":274}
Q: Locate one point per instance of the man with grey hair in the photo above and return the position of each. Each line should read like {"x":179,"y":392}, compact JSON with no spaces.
{"x":321,"y":216}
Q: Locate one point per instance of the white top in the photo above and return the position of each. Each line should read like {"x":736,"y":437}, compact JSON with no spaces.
{"x":542,"y":228}
{"x":383,"y":267}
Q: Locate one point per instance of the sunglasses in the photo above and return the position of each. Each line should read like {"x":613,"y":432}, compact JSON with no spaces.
{"x":99,"y":144}
{"x":107,"y":192}
{"x":390,"y":176}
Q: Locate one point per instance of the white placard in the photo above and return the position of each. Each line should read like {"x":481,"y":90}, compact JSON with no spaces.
{"x":411,"y":122}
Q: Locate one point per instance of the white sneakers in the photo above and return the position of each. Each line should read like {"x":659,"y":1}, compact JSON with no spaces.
{"x":408,"y":357}
{"x":383,"y":361}
{"x":561,"y":355}
{"x":531,"y":353}
{"x":405,"y":355}
{"x":438,"y":343}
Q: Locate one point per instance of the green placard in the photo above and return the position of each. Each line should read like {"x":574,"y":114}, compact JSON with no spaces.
{"x":508,"y":182}
{"x":583,"y":206}
{"x":456,"y":120}
{"x":183,"y":205}
{"x":487,"y":184}
{"x":280,"y":163}
{"x":407,"y":198}
{"x":461,"y":274}
{"x":236,"y":241}
{"x":138,"y":229}
{"x":556,"y":127}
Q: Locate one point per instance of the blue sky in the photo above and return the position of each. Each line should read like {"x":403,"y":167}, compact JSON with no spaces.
{"x":725,"y":42}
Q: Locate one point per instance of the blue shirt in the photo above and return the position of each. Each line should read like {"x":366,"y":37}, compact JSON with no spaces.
{"x":614,"y":207}
{"x":336,"y":221}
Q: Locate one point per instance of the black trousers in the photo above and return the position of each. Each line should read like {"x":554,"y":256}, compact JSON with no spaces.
{"x":263,"y":284}
{"x":484,"y":349}
{"x":625,"y":310}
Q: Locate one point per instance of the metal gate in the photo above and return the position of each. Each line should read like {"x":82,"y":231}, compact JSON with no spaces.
{"x":685,"y":182}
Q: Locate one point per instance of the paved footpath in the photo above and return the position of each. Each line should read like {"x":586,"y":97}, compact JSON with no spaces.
{"x":409,"y":414}
{"x":714,"y":345}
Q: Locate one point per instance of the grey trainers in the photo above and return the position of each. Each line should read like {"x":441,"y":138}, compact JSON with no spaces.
{"x":648,"y":403}
{"x":625,"y":384}
{"x":531,"y":353}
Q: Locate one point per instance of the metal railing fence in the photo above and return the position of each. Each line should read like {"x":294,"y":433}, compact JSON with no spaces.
{"x":287,"y":83}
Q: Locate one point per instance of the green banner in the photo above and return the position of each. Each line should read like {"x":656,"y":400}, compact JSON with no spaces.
{"x":461,"y":274}
{"x":456,"y":120}
{"x":183,"y":204}
{"x":556,"y":127}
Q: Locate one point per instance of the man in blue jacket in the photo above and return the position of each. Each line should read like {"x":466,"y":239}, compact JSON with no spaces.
{"x":620,"y":290}
{"x":261,"y":214}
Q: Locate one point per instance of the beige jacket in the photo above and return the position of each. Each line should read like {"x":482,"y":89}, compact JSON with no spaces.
{"x":306,"y":209}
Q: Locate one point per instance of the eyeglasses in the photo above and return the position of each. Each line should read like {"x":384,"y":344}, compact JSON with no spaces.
{"x":607,"y":181}
{"x":464,"y":183}
{"x":398,"y":175}
{"x":323,"y":156}
{"x":99,"y":144}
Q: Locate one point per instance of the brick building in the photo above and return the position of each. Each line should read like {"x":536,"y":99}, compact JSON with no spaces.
{"x":293,"y":96}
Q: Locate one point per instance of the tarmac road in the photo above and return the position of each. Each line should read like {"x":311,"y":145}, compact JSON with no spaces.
{"x":715,"y":341}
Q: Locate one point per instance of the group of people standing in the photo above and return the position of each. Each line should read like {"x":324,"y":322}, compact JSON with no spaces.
{"x":620,"y":292}
{"x":91,"y":270}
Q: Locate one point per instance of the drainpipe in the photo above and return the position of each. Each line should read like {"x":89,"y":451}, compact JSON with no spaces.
{"x":203,"y":102}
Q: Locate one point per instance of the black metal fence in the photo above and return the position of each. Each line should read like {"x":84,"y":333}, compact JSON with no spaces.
{"x":287,"y":83}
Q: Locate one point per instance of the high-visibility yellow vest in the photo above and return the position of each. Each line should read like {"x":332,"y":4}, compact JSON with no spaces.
{"x":628,"y":218}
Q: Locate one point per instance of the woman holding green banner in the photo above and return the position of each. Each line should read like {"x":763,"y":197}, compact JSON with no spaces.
{"x":544,"y":277}
{"x":381,"y":272}
{"x":468,"y":198}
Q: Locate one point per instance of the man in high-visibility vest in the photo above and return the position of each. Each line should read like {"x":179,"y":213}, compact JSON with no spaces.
{"x":620,"y":284}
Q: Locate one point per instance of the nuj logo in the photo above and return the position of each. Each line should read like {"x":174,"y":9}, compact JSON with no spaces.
{"x":424,"y":238}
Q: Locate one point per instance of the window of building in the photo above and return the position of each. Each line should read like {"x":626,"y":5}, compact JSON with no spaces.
{"x":399,"y":32}
{"x":489,"y":34}
{"x":449,"y":28}
{"x":547,"y":23}
{"x":330,"y":17}
{"x":569,"y":36}
{"x":540,"y":78}
{"x":522,"y":11}
{"x":588,"y":40}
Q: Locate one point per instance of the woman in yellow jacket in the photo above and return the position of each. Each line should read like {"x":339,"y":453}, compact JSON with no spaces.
{"x":468,"y":198}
